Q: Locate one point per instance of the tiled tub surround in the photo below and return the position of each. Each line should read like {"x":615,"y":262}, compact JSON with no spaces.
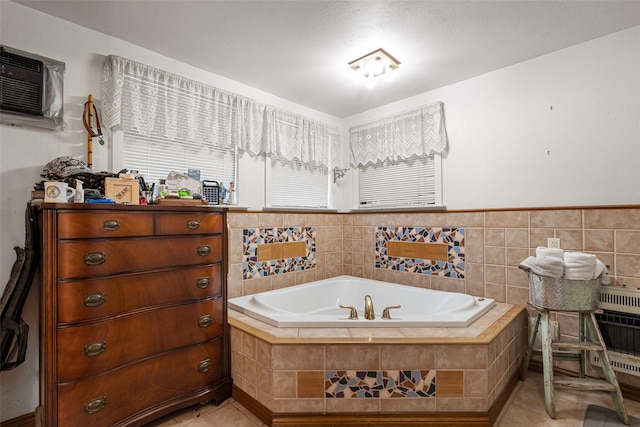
{"x":495,"y":241}
{"x":442,"y":371}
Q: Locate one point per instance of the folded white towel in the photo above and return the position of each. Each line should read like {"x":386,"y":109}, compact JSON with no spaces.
{"x":579,"y":266}
{"x":602,"y":272}
{"x":547,"y":266}
{"x":544,"y":251}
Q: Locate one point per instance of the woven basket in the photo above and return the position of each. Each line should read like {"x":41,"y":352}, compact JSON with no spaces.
{"x":564,"y":294}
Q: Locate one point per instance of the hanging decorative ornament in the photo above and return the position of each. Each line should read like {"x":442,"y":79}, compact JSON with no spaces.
{"x":89,"y":112}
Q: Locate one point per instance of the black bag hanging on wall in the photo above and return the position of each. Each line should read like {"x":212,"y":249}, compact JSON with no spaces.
{"x":13,"y":330}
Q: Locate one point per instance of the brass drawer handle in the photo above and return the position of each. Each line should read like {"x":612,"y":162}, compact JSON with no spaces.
{"x":205,"y":321}
{"x":94,"y":258}
{"x":204,"y":250}
{"x":95,"y":348}
{"x":203,"y":282}
{"x":94,"y":300}
{"x":193,"y":224}
{"x":111,"y":225}
{"x":204,"y":366}
{"x":94,"y":405}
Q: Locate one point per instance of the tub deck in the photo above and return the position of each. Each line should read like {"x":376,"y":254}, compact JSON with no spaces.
{"x":482,"y":331}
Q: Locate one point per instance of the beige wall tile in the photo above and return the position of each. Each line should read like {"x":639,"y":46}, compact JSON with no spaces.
{"x":474,"y":279}
{"x":476,"y":383}
{"x":517,"y":295}
{"x":242,"y":219}
{"x":539,"y":236}
{"x":612,"y":218}
{"x":569,"y":218}
{"x":510,"y":219}
{"x":496,"y":255}
{"x":279,"y":281}
{"x":465,"y":219}
{"x":271,"y":220}
{"x":284,"y":384}
{"x":627,"y":265}
{"x":495,"y":274}
{"x":598,"y":240}
{"x":461,"y":357}
{"x":359,"y":357}
{"x":474,"y":245}
{"x":570,"y":240}
{"x":403,"y":357}
{"x":516,"y":255}
{"x":495,"y":237}
{"x":263,"y":354}
{"x":249,"y":346}
{"x":517,"y":238}
{"x":298,"y":357}
{"x":628,"y":241}
{"x":254,"y":286}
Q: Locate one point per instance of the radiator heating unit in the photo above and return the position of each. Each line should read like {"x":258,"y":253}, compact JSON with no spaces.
{"x":620,"y":327}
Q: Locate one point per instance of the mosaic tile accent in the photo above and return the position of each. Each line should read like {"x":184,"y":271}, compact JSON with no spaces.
{"x":380,"y":384}
{"x":452,"y":237}
{"x":253,"y":237}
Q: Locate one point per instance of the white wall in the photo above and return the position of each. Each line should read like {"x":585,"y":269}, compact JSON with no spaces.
{"x":509,"y":148}
{"x":500,"y":128}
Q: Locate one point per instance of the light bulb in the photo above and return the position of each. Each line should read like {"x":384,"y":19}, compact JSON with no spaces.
{"x":370,"y":81}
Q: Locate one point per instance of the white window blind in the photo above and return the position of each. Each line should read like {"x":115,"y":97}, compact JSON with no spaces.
{"x":294,"y":184}
{"x":155,"y":157}
{"x":405,"y":183}
{"x":154,"y":151}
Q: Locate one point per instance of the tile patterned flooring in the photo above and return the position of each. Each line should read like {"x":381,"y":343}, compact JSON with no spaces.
{"x":525,"y":408}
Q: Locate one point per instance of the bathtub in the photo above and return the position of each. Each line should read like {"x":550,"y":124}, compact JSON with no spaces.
{"x":317,"y":304}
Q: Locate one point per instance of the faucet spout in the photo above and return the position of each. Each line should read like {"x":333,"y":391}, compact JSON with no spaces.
{"x":369,"y":313}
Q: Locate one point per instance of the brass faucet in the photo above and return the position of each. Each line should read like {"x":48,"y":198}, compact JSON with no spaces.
{"x":369,"y":314}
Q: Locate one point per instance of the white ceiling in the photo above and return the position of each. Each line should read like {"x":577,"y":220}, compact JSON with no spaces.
{"x":299,"y":50}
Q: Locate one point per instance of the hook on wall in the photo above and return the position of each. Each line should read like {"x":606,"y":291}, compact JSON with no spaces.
{"x":338,"y":173}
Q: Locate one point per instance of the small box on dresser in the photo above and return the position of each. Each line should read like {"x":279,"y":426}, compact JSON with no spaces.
{"x":133,"y":312}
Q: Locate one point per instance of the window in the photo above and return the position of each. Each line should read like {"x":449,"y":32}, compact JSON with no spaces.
{"x":405,"y":183}
{"x":398,"y":159}
{"x":294,"y":184}
{"x":154,"y":157}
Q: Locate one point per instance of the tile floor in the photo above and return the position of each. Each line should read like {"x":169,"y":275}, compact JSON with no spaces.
{"x":525,"y":408}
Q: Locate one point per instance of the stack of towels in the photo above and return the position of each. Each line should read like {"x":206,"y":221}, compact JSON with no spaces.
{"x":556,"y":263}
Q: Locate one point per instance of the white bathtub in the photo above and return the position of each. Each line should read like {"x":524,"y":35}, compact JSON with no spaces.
{"x":317,"y":304}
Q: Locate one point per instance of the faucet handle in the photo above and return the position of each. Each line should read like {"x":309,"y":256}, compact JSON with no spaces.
{"x":353,"y":315}
{"x":385,"y":312}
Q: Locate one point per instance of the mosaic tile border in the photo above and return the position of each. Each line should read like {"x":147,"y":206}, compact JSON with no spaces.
{"x":451,"y":236}
{"x":252,"y":237}
{"x":414,"y":383}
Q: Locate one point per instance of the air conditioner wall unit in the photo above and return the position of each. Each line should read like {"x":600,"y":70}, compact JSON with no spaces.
{"x":31,"y":89}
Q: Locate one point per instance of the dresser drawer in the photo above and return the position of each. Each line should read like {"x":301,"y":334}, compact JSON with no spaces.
{"x":96,"y":298}
{"x":78,"y":225}
{"x":94,"y":348}
{"x":188,"y":223}
{"x":87,"y":258}
{"x":107,"y":399}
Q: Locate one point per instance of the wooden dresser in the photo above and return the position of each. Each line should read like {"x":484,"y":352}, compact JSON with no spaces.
{"x":133,"y":312}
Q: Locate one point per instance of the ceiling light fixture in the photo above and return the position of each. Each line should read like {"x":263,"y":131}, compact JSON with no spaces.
{"x":375,"y":64}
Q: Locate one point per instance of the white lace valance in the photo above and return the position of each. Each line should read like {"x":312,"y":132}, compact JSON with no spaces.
{"x":174,"y":107}
{"x":417,"y":132}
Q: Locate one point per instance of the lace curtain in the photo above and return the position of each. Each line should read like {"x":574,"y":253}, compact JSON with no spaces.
{"x":416,"y":132}
{"x":174,"y":107}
